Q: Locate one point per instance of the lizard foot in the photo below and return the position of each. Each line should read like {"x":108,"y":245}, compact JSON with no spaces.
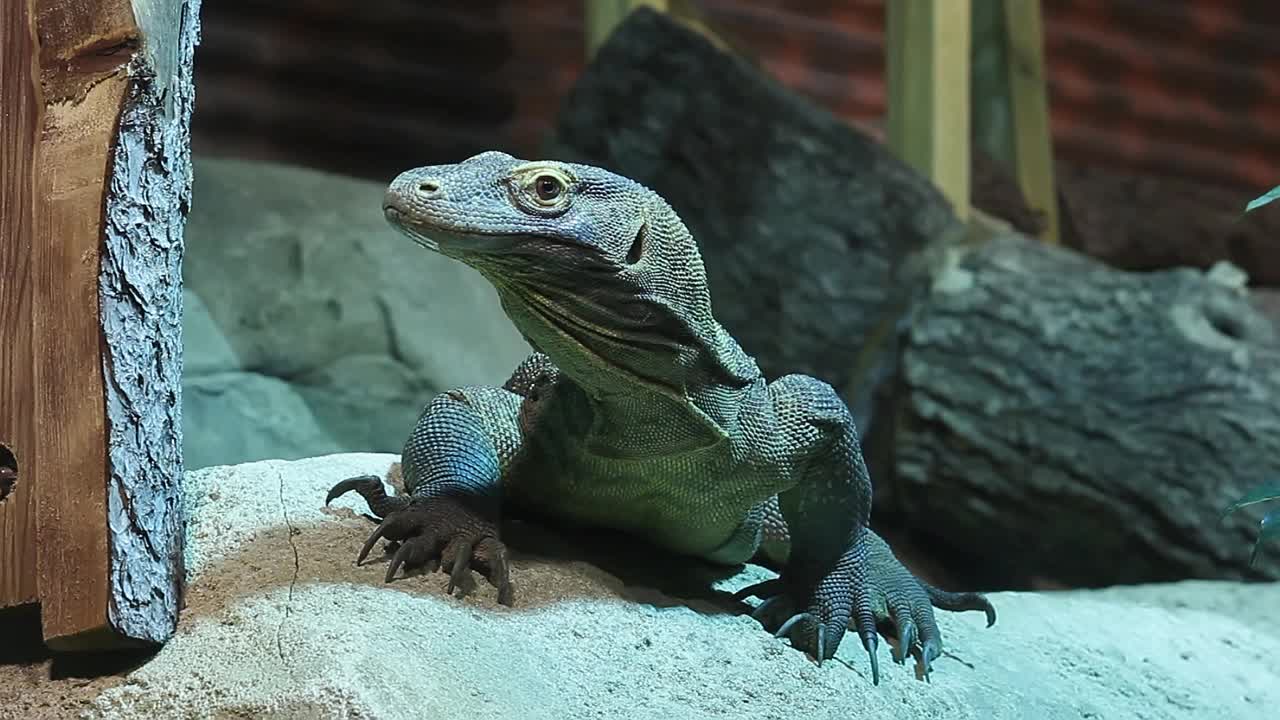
{"x":433,"y":533}
{"x":868,"y":589}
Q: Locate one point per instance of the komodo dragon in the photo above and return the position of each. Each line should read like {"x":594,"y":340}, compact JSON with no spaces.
{"x":636,"y":411}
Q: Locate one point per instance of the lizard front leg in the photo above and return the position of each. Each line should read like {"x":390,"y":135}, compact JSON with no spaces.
{"x":453,"y":464}
{"x":837,"y":571}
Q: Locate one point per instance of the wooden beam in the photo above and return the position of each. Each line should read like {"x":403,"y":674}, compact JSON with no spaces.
{"x":20,"y":106}
{"x":71,"y":464}
{"x":111,"y":187}
{"x":1029,"y":105}
{"x":602,"y":16}
{"x":927,"y":45}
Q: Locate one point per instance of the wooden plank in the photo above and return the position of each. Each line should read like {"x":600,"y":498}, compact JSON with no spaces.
{"x":19,"y":123}
{"x":113,"y":182}
{"x":72,"y":462}
{"x":602,"y":16}
{"x":927,"y":46}
{"x":1029,"y":105}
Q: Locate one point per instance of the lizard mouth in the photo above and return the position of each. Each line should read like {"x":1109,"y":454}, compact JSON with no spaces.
{"x":400,"y":221}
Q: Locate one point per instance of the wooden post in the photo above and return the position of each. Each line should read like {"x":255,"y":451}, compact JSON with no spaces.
{"x":98,"y":443}
{"x":19,"y":126}
{"x":1029,"y":105}
{"x":927,"y":45}
{"x":602,"y":16}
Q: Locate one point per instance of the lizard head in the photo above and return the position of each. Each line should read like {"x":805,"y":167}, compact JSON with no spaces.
{"x":595,"y":269}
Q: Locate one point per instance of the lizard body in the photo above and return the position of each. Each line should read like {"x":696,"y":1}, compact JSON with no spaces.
{"x":636,"y":412}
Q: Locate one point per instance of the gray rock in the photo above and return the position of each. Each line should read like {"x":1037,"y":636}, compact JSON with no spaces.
{"x":240,"y":416}
{"x":205,"y":349}
{"x":294,"y":276}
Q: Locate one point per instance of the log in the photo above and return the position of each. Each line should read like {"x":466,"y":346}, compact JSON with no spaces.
{"x":19,"y":100}
{"x":111,"y":183}
{"x":811,"y":230}
{"x":1071,"y":422}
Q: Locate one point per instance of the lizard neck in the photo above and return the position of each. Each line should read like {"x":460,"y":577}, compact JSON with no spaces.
{"x":609,"y":370}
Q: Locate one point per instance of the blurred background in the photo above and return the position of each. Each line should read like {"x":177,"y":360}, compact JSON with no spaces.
{"x":1176,"y":88}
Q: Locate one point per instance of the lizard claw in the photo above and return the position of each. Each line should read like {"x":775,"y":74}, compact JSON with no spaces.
{"x":898,"y":596}
{"x":791,"y":622}
{"x":906,"y":640}
{"x":430,"y":533}
{"x":867,"y":589}
{"x":871,"y":644}
{"x":371,"y":489}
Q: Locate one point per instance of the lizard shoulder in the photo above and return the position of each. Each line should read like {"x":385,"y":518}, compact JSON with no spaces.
{"x":809,"y":411}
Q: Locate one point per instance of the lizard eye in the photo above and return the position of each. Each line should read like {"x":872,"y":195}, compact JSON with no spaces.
{"x":548,"y":188}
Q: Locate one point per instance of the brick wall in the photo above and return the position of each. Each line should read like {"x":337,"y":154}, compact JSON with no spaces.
{"x":1189,"y":89}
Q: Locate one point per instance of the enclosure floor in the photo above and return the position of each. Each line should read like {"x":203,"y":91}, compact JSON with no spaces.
{"x":279,"y":622}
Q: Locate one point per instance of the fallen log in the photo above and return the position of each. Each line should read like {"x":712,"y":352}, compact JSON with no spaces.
{"x":1085,"y":425}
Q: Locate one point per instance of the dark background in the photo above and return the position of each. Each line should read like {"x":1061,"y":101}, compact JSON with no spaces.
{"x":1177,"y":88}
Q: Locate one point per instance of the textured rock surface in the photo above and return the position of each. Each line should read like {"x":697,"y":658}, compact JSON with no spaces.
{"x":1053,"y":411}
{"x":281,"y":624}
{"x":312,"y":326}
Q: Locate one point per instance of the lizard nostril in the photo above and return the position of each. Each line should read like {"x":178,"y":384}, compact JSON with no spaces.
{"x":427,"y":187}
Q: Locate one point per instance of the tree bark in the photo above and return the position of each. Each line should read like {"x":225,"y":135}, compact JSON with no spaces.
{"x":112,"y":178}
{"x":1085,"y":425}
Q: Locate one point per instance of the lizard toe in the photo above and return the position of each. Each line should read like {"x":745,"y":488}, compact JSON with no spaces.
{"x":763,"y":590}
{"x":370,"y":488}
{"x":441,"y":533}
{"x":491,"y":559}
{"x":457,"y":557}
{"x":906,"y":640}
{"x":418,"y":551}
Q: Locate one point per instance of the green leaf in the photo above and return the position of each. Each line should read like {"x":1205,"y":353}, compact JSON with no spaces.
{"x":1270,"y":531}
{"x":1262,"y":493}
{"x":1263,"y":199}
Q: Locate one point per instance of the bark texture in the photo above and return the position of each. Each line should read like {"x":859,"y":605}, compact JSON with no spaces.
{"x":140,"y":290}
{"x":1085,"y":425}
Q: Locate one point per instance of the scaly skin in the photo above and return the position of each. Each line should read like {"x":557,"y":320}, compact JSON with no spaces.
{"x":636,"y":412}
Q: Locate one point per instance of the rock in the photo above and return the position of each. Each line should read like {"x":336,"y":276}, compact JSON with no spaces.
{"x":294,"y":277}
{"x":1267,"y":301}
{"x":280,"y":623}
{"x":243,"y":416}
{"x":205,"y":349}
